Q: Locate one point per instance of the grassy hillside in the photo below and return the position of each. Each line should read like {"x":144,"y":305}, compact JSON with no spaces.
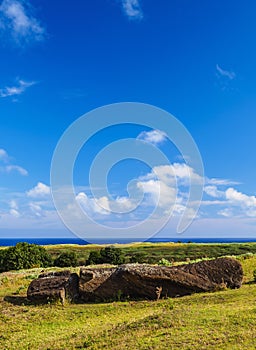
{"x":220,"y":320}
{"x":153,"y":252}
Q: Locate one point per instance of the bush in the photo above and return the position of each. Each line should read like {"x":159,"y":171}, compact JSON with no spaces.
{"x":24,"y":256}
{"x":164,"y":262}
{"x":107,"y":255}
{"x":94,"y":258}
{"x":66,"y":259}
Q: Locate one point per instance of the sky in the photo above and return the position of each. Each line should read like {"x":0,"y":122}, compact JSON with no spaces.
{"x":194,"y":60}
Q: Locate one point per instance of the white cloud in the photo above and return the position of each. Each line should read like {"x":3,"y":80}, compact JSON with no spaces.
{"x":18,"y":22}
{"x":155,"y":137}
{"x":3,"y":155}
{"x":93,"y":206}
{"x":227,"y":212}
{"x":224,"y":182}
{"x":36,"y":209}
{"x":225,"y":73}
{"x":39,"y":191}
{"x":14,"y":213}
{"x":132,"y":9}
{"x":104,"y":205}
{"x":170,"y":174}
{"x":7,"y":167}
{"x":214,"y":192}
{"x":16,"y":90}
{"x":240,"y":198}
{"x":13,"y":204}
{"x":237,"y":203}
{"x":17,"y":168}
{"x":160,"y":194}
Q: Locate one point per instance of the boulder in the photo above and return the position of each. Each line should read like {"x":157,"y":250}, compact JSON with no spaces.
{"x":53,"y":286}
{"x":141,"y":281}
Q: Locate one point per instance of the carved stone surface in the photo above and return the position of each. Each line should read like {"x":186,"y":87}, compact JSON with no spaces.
{"x":137,"y":281}
{"x":53,"y":286}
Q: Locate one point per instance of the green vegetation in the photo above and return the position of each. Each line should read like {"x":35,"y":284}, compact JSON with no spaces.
{"x":107,"y":255}
{"x":221,"y":320}
{"x":24,"y":256}
{"x":153,"y":252}
{"x":66,"y":259}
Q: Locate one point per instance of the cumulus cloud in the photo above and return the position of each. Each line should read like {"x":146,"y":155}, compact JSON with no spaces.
{"x":170,"y":174}
{"x":236,"y":203}
{"x":93,"y":206}
{"x":155,"y":137}
{"x":132,"y":9}
{"x":20,"y":88}
{"x":18,"y":22}
{"x":104,"y":205}
{"x":237,"y":197}
{"x":159,"y":193}
{"x":39,"y":191}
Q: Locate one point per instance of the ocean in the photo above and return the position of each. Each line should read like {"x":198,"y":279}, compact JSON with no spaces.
{"x":48,"y":241}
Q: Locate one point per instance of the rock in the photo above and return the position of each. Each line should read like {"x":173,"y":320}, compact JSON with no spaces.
{"x":137,"y":281}
{"x":53,"y":286}
{"x":220,"y":271}
{"x":141,"y":281}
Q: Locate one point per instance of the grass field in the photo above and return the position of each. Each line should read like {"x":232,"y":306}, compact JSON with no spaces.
{"x":152,"y":252}
{"x":220,"y":320}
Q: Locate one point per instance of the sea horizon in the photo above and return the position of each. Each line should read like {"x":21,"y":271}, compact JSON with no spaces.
{"x":5,"y":242}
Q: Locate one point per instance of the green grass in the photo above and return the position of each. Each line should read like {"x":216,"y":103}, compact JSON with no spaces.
{"x":220,"y":320}
{"x":153,"y":252}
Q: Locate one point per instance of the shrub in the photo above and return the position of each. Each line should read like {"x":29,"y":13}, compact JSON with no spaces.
{"x":164,"y":262}
{"x":66,"y":259}
{"x":24,"y":256}
{"x":94,"y":258}
{"x":107,"y":255}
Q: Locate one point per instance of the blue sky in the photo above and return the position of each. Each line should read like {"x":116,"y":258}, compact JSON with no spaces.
{"x":195,"y":60}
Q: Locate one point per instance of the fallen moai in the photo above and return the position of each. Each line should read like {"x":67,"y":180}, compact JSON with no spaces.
{"x":54,"y":285}
{"x":138,"y":281}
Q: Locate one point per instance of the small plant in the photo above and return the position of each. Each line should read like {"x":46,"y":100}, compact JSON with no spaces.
{"x":254,"y":275}
{"x":164,"y":262}
{"x":119,"y":295}
{"x":20,"y":289}
{"x":31,"y":277}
